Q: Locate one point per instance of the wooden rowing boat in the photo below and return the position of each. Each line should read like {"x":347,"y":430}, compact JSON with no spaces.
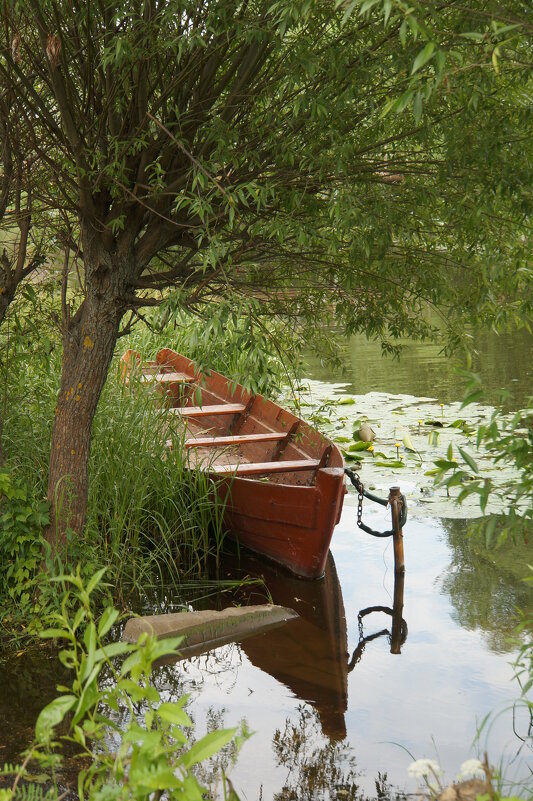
{"x":281,"y":480}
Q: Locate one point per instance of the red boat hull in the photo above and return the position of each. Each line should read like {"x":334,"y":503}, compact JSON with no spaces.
{"x":291,"y":525}
{"x":282,"y":482}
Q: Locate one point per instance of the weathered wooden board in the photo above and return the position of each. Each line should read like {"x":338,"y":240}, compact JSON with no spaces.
{"x":204,"y":630}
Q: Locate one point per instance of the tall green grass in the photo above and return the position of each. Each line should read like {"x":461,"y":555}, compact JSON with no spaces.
{"x":144,"y":500}
{"x":151,"y":520}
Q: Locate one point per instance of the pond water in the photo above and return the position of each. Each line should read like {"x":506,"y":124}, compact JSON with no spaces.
{"x":502,"y":361}
{"x":335,"y":714}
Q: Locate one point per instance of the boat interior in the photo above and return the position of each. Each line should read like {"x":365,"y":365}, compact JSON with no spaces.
{"x":229,"y":432}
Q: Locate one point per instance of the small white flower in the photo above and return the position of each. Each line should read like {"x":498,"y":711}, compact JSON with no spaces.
{"x":423,"y":768}
{"x":472,"y":767}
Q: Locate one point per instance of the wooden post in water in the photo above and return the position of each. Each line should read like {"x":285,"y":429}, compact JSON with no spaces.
{"x":395,"y":501}
{"x":397,"y":635}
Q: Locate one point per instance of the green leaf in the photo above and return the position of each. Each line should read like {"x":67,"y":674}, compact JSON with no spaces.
{"x":418,"y":105}
{"x":52,"y":714}
{"x":475,"y":36}
{"x":112,"y":650}
{"x":423,"y":57}
{"x":403,"y":33}
{"x":472,"y":397}
{"x":489,"y":531}
{"x":207,"y":746}
{"x":468,"y":459}
{"x":95,"y":580}
{"x":108,"y":618}
{"x":56,"y":634}
{"x":408,"y":444}
{"x":89,"y":696}
{"x":90,"y":643}
{"x":359,"y":446}
{"x":173,"y":713}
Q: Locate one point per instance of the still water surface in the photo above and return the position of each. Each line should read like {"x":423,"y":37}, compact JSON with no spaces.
{"x":503,"y":362}
{"x":332,"y":709}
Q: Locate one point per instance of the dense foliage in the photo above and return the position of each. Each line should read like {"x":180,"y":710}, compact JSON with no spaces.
{"x":331,"y":163}
{"x":123,"y":751}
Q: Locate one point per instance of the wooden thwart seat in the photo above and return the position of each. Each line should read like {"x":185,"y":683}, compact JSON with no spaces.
{"x":258,"y":468}
{"x":167,"y":378}
{"x":238,"y":439}
{"x":204,"y":411}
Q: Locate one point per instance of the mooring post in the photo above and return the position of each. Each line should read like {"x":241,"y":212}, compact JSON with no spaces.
{"x":395,"y":500}
{"x":397,"y":633}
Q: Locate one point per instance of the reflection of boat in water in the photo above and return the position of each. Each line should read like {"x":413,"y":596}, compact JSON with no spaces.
{"x":309,"y":654}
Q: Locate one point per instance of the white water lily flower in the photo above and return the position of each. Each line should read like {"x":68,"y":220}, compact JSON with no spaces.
{"x":472,"y":767}
{"x":422,"y":768}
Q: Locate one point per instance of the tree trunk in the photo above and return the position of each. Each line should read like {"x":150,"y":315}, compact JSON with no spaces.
{"x":88,"y":343}
{"x":7,"y":293}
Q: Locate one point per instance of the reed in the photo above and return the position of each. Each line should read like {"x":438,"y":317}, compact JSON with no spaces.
{"x":149,"y":515}
{"x":153,"y":522}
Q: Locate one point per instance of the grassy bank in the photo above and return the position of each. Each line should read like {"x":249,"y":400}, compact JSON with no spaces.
{"x":151,"y":522}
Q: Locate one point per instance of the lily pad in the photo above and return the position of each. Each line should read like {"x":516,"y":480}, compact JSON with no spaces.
{"x":359,"y":446}
{"x":418,"y":468}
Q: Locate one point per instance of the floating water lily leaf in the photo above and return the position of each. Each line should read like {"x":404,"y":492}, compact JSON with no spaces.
{"x":346,"y":401}
{"x":408,"y":444}
{"x":433,"y":438}
{"x":351,"y":457}
{"x":463,"y":426}
{"x":359,"y":446}
{"x":438,"y":438}
{"x":342,"y":439}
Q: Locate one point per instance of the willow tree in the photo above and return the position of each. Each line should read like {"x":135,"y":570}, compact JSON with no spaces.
{"x":21,"y":249}
{"x":330,"y":159}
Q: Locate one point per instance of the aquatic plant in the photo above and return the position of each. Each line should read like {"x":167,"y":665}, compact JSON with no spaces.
{"x":508,"y":440}
{"x":475,"y":780}
{"x":149,"y":753}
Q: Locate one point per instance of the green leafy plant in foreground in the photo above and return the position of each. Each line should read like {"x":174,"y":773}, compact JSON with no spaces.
{"x":129,"y":744}
{"x":22,"y":518}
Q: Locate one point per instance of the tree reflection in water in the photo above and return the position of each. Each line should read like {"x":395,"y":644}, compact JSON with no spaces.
{"x":485,"y":584}
{"x":320,"y":772}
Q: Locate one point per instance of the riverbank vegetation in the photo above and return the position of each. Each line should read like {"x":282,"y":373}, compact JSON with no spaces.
{"x":150,"y":521}
{"x":339,"y":163}
{"x":234,"y":180}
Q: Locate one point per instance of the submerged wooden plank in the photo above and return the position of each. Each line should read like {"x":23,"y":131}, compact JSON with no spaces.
{"x":205,"y":630}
